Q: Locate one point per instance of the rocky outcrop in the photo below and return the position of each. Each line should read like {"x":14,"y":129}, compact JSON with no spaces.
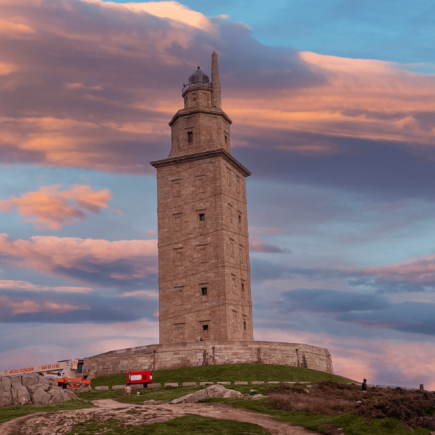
{"x":211,"y":392}
{"x":32,"y":389}
{"x":5,"y":391}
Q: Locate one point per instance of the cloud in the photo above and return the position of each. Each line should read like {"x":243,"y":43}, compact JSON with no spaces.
{"x":107,"y":104}
{"x":10,"y":285}
{"x":365,"y":309}
{"x":172,"y":10}
{"x":123,"y":263}
{"x":265,"y":230}
{"x":420,"y":270}
{"x":81,"y":86}
{"x":257,"y":246}
{"x":10,"y":308}
{"x":331,"y":301}
{"x":54,"y":208}
{"x":12,"y":29}
{"x":145,"y":293}
{"x":104,"y":306}
{"x":415,"y":276}
{"x":381,"y":361}
{"x":54,"y":341}
{"x":150,"y":233}
{"x":411,"y":317}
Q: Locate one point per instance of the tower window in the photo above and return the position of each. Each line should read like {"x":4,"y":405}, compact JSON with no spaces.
{"x":240,"y":220}
{"x":205,"y":327}
{"x":204,"y":291}
{"x":190,"y":137}
{"x":202,"y":217}
{"x":244,"y":325}
{"x":226,"y":139}
{"x":243,"y":288}
{"x":194,"y":98}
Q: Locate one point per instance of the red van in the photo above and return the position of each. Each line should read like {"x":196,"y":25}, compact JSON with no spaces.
{"x":145,"y":378}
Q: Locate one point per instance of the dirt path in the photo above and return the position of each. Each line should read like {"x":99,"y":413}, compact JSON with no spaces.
{"x":57,"y":423}
{"x":227,"y":412}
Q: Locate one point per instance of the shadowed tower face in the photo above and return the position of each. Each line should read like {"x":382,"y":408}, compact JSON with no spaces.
{"x":204,"y":273}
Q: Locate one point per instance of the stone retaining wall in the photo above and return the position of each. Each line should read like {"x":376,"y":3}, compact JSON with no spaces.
{"x":177,"y":355}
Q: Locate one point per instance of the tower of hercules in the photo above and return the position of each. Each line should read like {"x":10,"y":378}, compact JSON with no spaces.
{"x":204,"y":273}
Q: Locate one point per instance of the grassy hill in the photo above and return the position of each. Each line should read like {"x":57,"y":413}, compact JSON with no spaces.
{"x":229,"y":372}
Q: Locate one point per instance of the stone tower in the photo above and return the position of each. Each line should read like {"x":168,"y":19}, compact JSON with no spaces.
{"x":204,"y":272}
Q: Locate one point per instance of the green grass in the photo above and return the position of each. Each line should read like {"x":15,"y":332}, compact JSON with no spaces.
{"x":351,"y":424}
{"x":166,"y":394}
{"x":10,"y":412}
{"x":229,"y":372}
{"x":177,"y":426}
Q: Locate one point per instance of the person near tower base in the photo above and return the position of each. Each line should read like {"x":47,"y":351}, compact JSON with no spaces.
{"x":364,"y":386}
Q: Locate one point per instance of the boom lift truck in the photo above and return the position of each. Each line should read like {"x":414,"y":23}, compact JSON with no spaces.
{"x":67,"y":373}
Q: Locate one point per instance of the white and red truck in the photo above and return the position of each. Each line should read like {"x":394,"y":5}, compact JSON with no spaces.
{"x":68,"y":373}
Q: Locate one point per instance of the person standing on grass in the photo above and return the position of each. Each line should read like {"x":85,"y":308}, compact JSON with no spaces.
{"x":364,"y":386}
{"x":127,"y":390}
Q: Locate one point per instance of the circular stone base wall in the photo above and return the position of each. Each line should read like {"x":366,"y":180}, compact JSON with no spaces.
{"x":177,"y":355}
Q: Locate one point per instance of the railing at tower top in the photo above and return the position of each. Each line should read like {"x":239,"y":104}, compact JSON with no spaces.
{"x":188,"y":85}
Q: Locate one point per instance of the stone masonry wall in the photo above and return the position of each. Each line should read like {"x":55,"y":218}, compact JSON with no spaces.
{"x":171,"y":356}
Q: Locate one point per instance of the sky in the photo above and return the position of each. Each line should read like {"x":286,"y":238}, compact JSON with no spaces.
{"x":333,"y":112}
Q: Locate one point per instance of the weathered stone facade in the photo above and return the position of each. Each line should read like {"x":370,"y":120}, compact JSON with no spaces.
{"x":204,"y":274}
{"x":171,"y":356}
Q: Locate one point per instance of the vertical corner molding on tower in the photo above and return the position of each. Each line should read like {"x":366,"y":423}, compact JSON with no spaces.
{"x":215,"y":82}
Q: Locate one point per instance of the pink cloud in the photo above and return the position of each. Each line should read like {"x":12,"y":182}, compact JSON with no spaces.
{"x":29,"y":306}
{"x":150,"y":233}
{"x":29,"y":287}
{"x":54,"y":208}
{"x":258,"y":246}
{"x":265,"y":230}
{"x":79,"y":113}
{"x":141,"y":293}
{"x":88,"y":260}
{"x":380,"y":361}
{"x":419,"y":270}
{"x":46,"y":347}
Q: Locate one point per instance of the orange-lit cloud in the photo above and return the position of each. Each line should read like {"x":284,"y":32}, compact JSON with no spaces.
{"x":54,"y":208}
{"x":360,"y":98}
{"x":98,"y":261}
{"x":166,"y":9}
{"x":106,"y":106}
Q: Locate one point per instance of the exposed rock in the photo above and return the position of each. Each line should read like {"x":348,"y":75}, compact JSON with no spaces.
{"x":70,"y":394}
{"x":209,"y":392}
{"x":32,"y":389}
{"x":40,"y":397}
{"x":5,"y":391}
{"x":20,"y":395}
{"x":30,"y":379}
{"x":58,"y":395}
{"x":15,"y":380}
{"x":43,"y":387}
{"x":257,"y":397}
